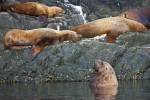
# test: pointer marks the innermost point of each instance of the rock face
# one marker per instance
(135, 63)
(67, 61)
(130, 56)
(74, 62)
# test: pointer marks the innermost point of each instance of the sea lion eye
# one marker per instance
(106, 68)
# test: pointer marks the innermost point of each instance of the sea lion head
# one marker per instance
(55, 10)
(134, 26)
(14, 39)
(59, 10)
(100, 66)
(68, 35)
(9, 39)
(104, 75)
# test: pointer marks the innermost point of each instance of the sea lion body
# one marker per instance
(112, 26)
(37, 38)
(35, 9)
(141, 15)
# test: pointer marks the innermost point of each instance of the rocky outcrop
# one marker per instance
(131, 39)
(135, 63)
(74, 62)
(130, 56)
(66, 61)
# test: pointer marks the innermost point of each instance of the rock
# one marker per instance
(131, 39)
(134, 64)
(66, 61)
(13, 20)
(130, 56)
(8, 22)
(74, 62)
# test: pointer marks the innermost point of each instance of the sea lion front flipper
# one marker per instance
(111, 38)
(35, 51)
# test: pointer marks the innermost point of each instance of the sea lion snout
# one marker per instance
(78, 37)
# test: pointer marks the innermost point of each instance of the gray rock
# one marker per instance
(14, 20)
(66, 61)
(131, 39)
(74, 61)
(134, 64)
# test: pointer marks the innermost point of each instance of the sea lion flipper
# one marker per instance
(111, 38)
(35, 51)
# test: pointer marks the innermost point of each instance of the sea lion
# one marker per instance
(103, 82)
(38, 39)
(141, 15)
(104, 75)
(112, 26)
(35, 9)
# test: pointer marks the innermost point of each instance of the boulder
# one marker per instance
(62, 62)
(134, 63)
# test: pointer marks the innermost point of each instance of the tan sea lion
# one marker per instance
(103, 82)
(104, 75)
(112, 26)
(141, 15)
(35, 9)
(37, 38)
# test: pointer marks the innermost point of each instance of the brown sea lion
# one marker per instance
(37, 38)
(104, 75)
(112, 26)
(141, 15)
(103, 82)
(35, 9)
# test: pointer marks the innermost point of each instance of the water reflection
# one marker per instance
(48, 91)
(105, 93)
(128, 90)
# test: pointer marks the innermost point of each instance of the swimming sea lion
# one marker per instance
(103, 82)
(104, 75)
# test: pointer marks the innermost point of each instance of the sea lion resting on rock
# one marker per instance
(35, 9)
(112, 26)
(37, 38)
(103, 82)
(141, 15)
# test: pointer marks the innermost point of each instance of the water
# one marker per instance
(128, 90)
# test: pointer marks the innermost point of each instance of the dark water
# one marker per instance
(128, 90)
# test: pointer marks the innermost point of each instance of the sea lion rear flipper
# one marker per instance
(35, 51)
